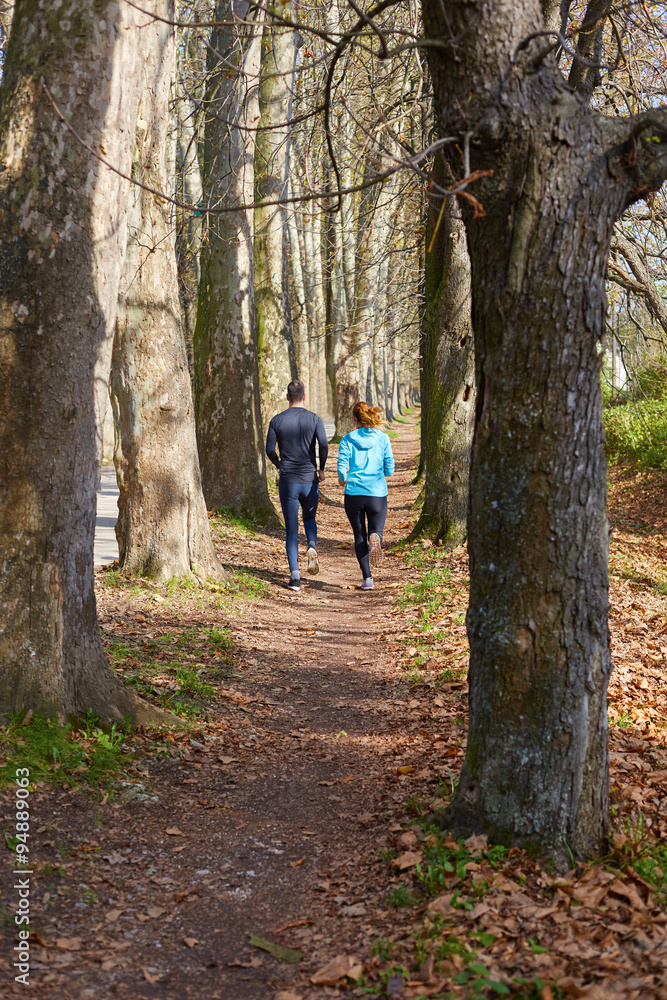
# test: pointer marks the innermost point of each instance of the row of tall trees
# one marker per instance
(263, 192)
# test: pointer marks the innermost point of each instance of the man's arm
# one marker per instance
(271, 441)
(323, 445)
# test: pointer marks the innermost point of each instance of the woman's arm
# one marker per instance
(343, 459)
(388, 457)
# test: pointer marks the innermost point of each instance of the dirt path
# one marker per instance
(274, 816)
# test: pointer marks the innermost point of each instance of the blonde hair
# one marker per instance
(368, 416)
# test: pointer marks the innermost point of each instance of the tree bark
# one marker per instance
(299, 312)
(275, 344)
(162, 526)
(189, 226)
(227, 399)
(449, 377)
(536, 767)
(62, 232)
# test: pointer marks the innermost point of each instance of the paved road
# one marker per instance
(106, 547)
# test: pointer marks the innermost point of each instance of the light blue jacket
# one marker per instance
(365, 458)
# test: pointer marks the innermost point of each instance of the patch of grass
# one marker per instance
(221, 640)
(56, 751)
(181, 585)
(247, 583)
(652, 867)
(382, 948)
(240, 523)
(115, 580)
(190, 682)
(623, 721)
(429, 592)
(403, 896)
(390, 432)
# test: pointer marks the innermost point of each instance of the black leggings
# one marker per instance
(358, 508)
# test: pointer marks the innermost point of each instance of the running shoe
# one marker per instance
(375, 554)
(313, 561)
(294, 584)
(368, 583)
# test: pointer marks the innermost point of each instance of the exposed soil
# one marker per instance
(327, 740)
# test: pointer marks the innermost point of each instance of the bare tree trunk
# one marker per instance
(162, 526)
(229, 422)
(536, 767)
(342, 360)
(62, 251)
(449, 370)
(275, 346)
(189, 227)
(299, 313)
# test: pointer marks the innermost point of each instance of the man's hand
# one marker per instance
(321, 475)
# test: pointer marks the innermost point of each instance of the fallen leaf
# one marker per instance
(173, 831)
(149, 977)
(155, 911)
(277, 950)
(407, 860)
(295, 864)
(69, 944)
(340, 967)
(406, 769)
(114, 858)
(355, 910)
(294, 923)
(477, 842)
(442, 905)
(190, 941)
(112, 916)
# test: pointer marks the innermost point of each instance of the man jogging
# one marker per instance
(295, 431)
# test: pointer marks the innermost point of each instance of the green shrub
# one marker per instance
(637, 431)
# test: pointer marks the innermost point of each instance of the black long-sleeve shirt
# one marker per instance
(295, 431)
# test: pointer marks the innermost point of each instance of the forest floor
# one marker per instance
(277, 847)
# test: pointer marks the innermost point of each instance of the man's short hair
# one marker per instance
(296, 391)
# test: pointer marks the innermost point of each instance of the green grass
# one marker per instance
(652, 867)
(403, 896)
(55, 751)
(247, 583)
(391, 433)
(240, 523)
(429, 592)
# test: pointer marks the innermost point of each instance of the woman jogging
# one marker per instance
(365, 458)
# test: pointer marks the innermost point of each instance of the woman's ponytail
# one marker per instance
(368, 416)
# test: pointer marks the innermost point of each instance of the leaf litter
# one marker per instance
(304, 781)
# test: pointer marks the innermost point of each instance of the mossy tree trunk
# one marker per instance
(62, 238)
(448, 361)
(275, 343)
(536, 766)
(162, 526)
(227, 398)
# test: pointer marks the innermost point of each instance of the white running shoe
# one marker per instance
(368, 583)
(375, 553)
(313, 561)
